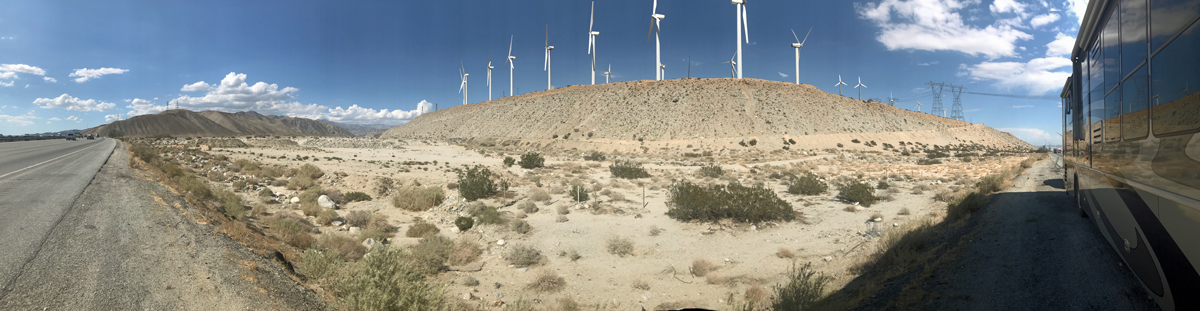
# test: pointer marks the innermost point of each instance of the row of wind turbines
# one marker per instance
(660, 68)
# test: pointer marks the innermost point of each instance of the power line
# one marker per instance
(1045, 97)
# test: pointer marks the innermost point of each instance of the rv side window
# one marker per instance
(1175, 84)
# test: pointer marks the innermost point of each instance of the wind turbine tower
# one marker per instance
(607, 73)
(732, 66)
(741, 26)
(937, 96)
(860, 90)
(918, 106)
(840, 84)
(799, 44)
(462, 88)
(489, 78)
(956, 111)
(592, 41)
(547, 66)
(655, 23)
(509, 62)
(892, 99)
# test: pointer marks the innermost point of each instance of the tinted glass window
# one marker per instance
(1097, 118)
(1111, 52)
(1133, 35)
(1175, 84)
(1112, 116)
(1134, 93)
(1167, 17)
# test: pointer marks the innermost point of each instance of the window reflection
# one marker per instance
(1111, 52)
(1175, 84)
(1133, 35)
(1167, 17)
(1112, 116)
(1135, 122)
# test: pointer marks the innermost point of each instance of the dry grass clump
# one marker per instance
(346, 248)
(327, 216)
(294, 232)
(385, 281)
(784, 252)
(803, 291)
(378, 229)
(429, 255)
(311, 209)
(547, 281)
(316, 263)
(619, 246)
(561, 218)
(421, 229)
(418, 199)
(850, 208)
(464, 252)
(756, 297)
(563, 210)
(655, 231)
(528, 207)
(875, 215)
(903, 211)
(358, 218)
(523, 256)
(539, 195)
(701, 267)
(641, 285)
(520, 226)
(488, 215)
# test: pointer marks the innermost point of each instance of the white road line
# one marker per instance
(44, 162)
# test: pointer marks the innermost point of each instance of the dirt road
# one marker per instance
(127, 243)
(1033, 251)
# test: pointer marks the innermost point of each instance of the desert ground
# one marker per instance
(717, 265)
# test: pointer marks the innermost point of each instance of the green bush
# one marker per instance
(488, 215)
(520, 226)
(856, 191)
(291, 231)
(146, 153)
(418, 199)
(711, 170)
(882, 185)
(357, 196)
(464, 223)
(171, 170)
(687, 202)
(578, 193)
(231, 204)
(508, 161)
(194, 186)
(934, 154)
(316, 264)
(431, 253)
(619, 246)
(475, 183)
(808, 184)
(803, 290)
(532, 160)
(627, 170)
(386, 281)
(991, 183)
(855, 140)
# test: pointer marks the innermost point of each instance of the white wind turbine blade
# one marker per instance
(509, 59)
(805, 35)
(655, 8)
(794, 35)
(745, 23)
(591, 22)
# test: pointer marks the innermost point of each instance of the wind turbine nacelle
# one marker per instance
(658, 16)
(797, 45)
(737, 1)
(550, 47)
(594, 33)
(512, 57)
(466, 75)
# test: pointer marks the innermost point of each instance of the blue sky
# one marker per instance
(75, 64)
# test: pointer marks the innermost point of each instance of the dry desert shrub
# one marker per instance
(619, 246)
(311, 209)
(431, 253)
(520, 226)
(523, 256)
(850, 208)
(470, 281)
(378, 229)
(294, 232)
(563, 210)
(347, 249)
(316, 263)
(641, 285)
(875, 215)
(327, 216)
(943, 195)
(358, 218)
(421, 229)
(528, 207)
(547, 281)
(655, 231)
(701, 267)
(385, 279)
(465, 251)
(756, 297)
(784, 252)
(539, 195)
(418, 199)
(357, 196)
(803, 291)
(903, 211)
(561, 218)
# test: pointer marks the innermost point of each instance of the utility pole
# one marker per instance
(956, 111)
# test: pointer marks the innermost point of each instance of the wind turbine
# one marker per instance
(742, 23)
(732, 67)
(662, 71)
(655, 23)
(799, 44)
(547, 66)
(860, 90)
(840, 84)
(489, 80)
(509, 62)
(918, 106)
(462, 88)
(592, 41)
(607, 73)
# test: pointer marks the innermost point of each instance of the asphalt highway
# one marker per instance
(38, 182)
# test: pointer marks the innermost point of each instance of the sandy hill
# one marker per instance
(186, 123)
(694, 110)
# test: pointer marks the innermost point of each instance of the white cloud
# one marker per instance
(1023, 106)
(10, 83)
(1041, 20)
(1032, 136)
(1061, 45)
(54, 119)
(8, 75)
(784, 75)
(49, 79)
(1038, 76)
(73, 118)
(234, 94)
(196, 87)
(928, 63)
(85, 74)
(24, 120)
(142, 106)
(1078, 8)
(71, 103)
(1007, 6)
(22, 68)
(112, 117)
(935, 25)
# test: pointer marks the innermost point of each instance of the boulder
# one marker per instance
(370, 244)
(355, 230)
(295, 200)
(325, 202)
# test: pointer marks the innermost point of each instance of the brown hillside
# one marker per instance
(186, 123)
(693, 110)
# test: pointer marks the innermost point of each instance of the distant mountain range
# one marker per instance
(186, 123)
(367, 130)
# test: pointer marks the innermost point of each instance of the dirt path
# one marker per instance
(127, 244)
(1032, 251)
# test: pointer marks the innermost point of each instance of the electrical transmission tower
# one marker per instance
(956, 112)
(937, 96)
